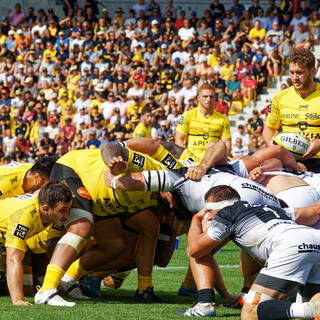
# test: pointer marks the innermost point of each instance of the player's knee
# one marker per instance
(82, 228)
(151, 227)
(249, 312)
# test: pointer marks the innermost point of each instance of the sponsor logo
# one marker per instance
(21, 231)
(84, 193)
(180, 120)
(303, 107)
(169, 161)
(308, 247)
(290, 116)
(312, 116)
(32, 212)
(262, 192)
(311, 135)
(138, 160)
(200, 143)
(13, 180)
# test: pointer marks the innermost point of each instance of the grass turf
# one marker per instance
(119, 304)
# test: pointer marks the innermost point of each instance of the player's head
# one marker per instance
(55, 199)
(220, 196)
(146, 115)
(39, 173)
(206, 96)
(302, 69)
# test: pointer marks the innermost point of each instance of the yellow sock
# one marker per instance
(52, 277)
(188, 280)
(75, 271)
(144, 282)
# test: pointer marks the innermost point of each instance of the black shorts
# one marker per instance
(312, 165)
(82, 198)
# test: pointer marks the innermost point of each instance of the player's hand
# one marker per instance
(108, 176)
(302, 167)
(314, 148)
(195, 173)
(255, 173)
(22, 303)
(117, 166)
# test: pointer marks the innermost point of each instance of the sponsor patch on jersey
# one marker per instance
(84, 193)
(180, 120)
(138, 160)
(169, 161)
(21, 231)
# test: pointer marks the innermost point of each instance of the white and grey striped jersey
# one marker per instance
(192, 193)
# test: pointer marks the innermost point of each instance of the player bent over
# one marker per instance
(23, 217)
(290, 254)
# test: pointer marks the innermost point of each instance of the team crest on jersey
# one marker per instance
(138, 160)
(84, 193)
(180, 120)
(169, 161)
(303, 125)
(21, 231)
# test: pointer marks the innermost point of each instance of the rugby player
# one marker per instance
(203, 124)
(20, 178)
(270, 236)
(296, 108)
(21, 218)
(82, 170)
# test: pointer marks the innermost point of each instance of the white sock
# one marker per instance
(66, 278)
(299, 310)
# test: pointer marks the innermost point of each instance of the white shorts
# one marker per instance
(295, 256)
(299, 197)
(312, 178)
(239, 168)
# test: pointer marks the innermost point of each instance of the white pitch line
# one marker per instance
(225, 266)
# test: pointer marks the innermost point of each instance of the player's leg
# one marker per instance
(148, 227)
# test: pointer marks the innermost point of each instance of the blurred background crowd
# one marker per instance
(95, 76)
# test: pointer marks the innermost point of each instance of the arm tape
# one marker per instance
(74, 241)
(155, 180)
(114, 182)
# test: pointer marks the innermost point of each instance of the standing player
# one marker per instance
(296, 108)
(23, 217)
(269, 235)
(203, 124)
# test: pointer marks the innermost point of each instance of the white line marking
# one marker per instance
(225, 266)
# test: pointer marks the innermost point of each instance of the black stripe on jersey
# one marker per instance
(164, 181)
(159, 180)
(115, 197)
(148, 181)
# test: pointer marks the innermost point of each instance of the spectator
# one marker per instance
(254, 125)
(241, 133)
(239, 149)
(301, 37)
(222, 105)
(143, 129)
(249, 87)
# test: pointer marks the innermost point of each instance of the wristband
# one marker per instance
(114, 182)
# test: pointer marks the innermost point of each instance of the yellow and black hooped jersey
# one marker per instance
(89, 167)
(290, 112)
(11, 179)
(19, 220)
(200, 130)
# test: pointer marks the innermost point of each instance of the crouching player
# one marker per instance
(289, 252)
(23, 217)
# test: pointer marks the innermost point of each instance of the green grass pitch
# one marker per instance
(119, 305)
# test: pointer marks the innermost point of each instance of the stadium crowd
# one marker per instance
(82, 81)
(127, 115)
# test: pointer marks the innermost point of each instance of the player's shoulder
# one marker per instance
(220, 116)
(283, 94)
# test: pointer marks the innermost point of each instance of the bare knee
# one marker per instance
(81, 227)
(249, 312)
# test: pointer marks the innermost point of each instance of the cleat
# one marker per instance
(147, 296)
(199, 310)
(237, 303)
(91, 286)
(313, 306)
(73, 289)
(51, 298)
(187, 291)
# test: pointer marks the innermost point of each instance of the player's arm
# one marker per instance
(215, 154)
(15, 275)
(155, 180)
(308, 216)
(181, 139)
(267, 134)
(199, 243)
(227, 142)
(144, 145)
